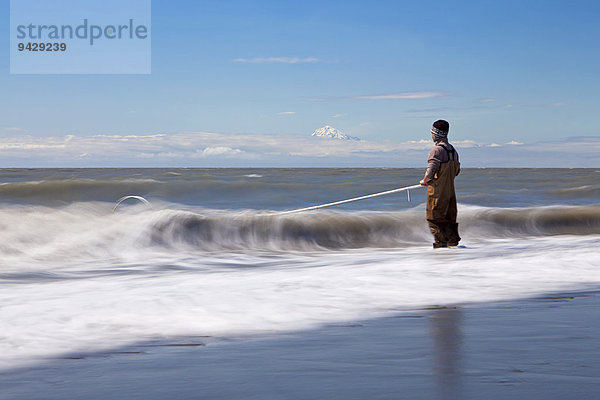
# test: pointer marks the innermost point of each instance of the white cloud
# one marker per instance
(423, 94)
(30, 146)
(421, 144)
(287, 113)
(338, 115)
(222, 149)
(467, 143)
(219, 151)
(280, 60)
(403, 95)
(127, 137)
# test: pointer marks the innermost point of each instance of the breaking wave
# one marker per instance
(338, 230)
(90, 229)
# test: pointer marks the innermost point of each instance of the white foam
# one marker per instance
(104, 303)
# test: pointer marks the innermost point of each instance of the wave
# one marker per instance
(91, 230)
(281, 189)
(71, 190)
(337, 230)
(66, 191)
(324, 230)
(535, 221)
(578, 192)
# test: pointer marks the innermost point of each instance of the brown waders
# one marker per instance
(441, 204)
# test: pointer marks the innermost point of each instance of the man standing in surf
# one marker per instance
(443, 167)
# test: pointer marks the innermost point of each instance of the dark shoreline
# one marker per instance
(541, 348)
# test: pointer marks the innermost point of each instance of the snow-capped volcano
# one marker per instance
(332, 133)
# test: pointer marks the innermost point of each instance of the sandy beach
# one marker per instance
(541, 348)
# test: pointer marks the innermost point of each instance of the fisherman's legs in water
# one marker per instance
(452, 234)
(437, 209)
(444, 233)
(452, 226)
(443, 225)
(438, 230)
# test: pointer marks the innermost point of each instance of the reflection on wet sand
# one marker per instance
(446, 333)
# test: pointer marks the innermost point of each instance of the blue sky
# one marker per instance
(259, 71)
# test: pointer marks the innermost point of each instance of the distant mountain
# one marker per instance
(332, 133)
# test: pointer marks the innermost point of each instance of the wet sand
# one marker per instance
(543, 348)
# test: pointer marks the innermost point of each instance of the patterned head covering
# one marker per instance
(440, 130)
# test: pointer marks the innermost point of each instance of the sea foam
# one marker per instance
(80, 279)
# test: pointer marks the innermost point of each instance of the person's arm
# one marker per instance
(433, 165)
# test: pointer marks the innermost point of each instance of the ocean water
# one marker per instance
(211, 257)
